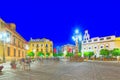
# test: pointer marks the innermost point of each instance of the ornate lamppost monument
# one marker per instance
(77, 37)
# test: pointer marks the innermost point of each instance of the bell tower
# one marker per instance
(86, 35)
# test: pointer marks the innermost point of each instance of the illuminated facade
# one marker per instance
(15, 48)
(41, 45)
(68, 48)
(98, 43)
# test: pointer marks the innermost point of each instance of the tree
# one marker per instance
(115, 52)
(47, 54)
(86, 54)
(104, 52)
(31, 54)
(69, 55)
(60, 54)
(91, 54)
(41, 54)
(55, 55)
(79, 54)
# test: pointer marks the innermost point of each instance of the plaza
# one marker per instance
(65, 70)
(60, 40)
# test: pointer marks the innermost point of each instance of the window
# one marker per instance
(101, 39)
(101, 46)
(95, 47)
(23, 54)
(46, 50)
(14, 52)
(95, 39)
(14, 41)
(18, 53)
(37, 50)
(51, 45)
(41, 50)
(89, 40)
(8, 34)
(18, 43)
(46, 45)
(107, 46)
(37, 45)
(41, 45)
(84, 41)
(89, 47)
(108, 37)
(8, 51)
(33, 45)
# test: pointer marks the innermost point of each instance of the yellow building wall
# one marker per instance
(11, 29)
(50, 49)
(117, 43)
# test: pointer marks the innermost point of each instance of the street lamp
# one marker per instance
(77, 37)
(4, 38)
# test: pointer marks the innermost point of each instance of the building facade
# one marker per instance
(41, 45)
(12, 44)
(68, 48)
(98, 43)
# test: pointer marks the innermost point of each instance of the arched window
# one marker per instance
(107, 46)
(46, 45)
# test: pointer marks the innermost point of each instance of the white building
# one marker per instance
(98, 43)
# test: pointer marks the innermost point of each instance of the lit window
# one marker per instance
(23, 54)
(33, 45)
(18, 53)
(8, 51)
(14, 52)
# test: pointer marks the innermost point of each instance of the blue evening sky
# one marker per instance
(57, 20)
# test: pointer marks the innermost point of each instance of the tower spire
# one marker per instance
(86, 35)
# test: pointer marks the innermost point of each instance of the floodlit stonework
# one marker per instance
(41, 45)
(15, 47)
(98, 43)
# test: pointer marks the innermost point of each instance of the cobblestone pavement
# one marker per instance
(91, 70)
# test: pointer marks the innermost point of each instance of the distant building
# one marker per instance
(68, 48)
(15, 47)
(98, 43)
(41, 45)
